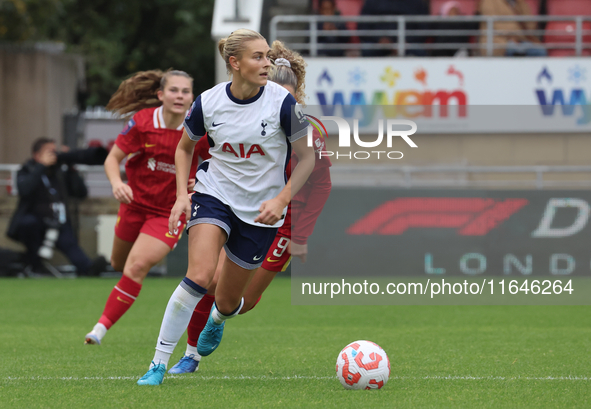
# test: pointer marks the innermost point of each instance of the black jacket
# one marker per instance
(37, 198)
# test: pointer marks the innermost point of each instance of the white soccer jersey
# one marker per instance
(250, 145)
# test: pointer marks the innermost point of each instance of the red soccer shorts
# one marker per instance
(131, 222)
(277, 258)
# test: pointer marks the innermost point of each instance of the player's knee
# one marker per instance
(226, 307)
(137, 270)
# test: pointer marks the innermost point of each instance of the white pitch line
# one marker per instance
(298, 377)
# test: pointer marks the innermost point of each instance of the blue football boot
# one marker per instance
(187, 364)
(210, 337)
(154, 376)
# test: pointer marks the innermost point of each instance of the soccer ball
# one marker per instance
(363, 365)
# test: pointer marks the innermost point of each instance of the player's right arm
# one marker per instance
(182, 162)
(121, 190)
(194, 130)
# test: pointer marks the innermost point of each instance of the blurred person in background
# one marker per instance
(160, 101)
(393, 8)
(328, 8)
(42, 219)
(516, 42)
(453, 9)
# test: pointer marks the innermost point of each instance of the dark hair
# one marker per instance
(141, 91)
(39, 143)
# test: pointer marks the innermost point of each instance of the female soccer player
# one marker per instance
(142, 238)
(289, 71)
(241, 193)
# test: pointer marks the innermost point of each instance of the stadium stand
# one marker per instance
(563, 32)
(468, 7)
(569, 7)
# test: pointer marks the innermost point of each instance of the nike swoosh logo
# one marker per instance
(213, 124)
(257, 258)
(170, 236)
(122, 300)
(166, 345)
(272, 261)
(148, 145)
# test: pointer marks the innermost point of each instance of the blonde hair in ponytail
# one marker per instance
(140, 91)
(283, 75)
(235, 44)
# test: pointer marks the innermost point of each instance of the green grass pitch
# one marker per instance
(281, 355)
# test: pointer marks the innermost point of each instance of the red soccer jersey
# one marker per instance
(311, 197)
(319, 145)
(150, 169)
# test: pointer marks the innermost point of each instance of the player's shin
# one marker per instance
(176, 318)
(198, 321)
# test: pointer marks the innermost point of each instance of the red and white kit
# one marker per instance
(304, 209)
(150, 169)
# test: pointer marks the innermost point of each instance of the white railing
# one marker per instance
(528, 177)
(461, 176)
(402, 33)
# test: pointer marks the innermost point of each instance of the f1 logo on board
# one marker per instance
(470, 216)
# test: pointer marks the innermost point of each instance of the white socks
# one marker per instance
(99, 330)
(218, 317)
(178, 313)
(191, 350)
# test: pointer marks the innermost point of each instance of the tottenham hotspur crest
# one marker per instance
(263, 124)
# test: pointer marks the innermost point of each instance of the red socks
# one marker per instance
(199, 319)
(121, 298)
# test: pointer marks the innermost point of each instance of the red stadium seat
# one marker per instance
(349, 7)
(468, 7)
(534, 6)
(567, 53)
(346, 7)
(569, 8)
(564, 32)
(95, 143)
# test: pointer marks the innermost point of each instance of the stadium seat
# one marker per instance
(567, 53)
(564, 32)
(468, 7)
(569, 8)
(346, 7)
(534, 6)
(350, 8)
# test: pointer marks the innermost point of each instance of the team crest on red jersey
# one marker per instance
(128, 127)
